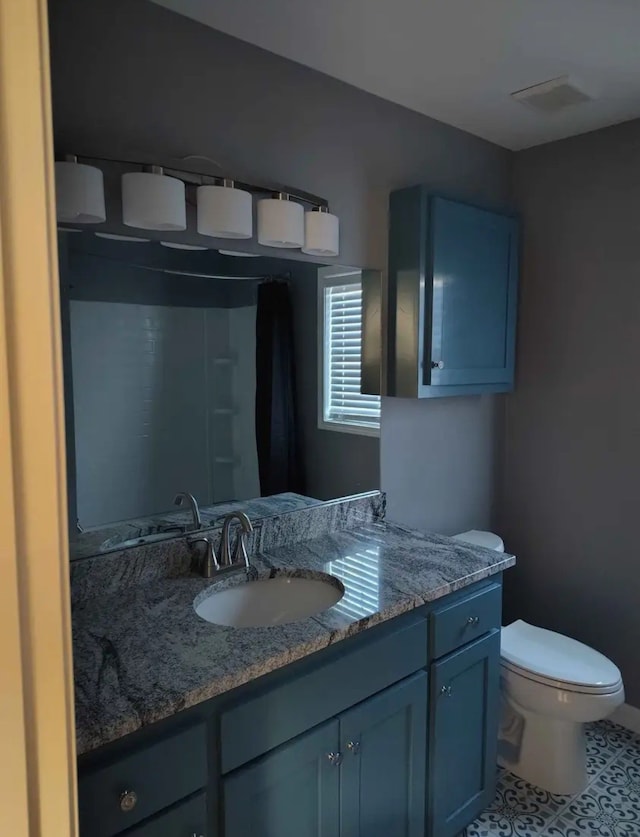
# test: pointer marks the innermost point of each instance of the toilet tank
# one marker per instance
(488, 540)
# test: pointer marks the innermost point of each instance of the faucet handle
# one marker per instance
(209, 563)
(240, 552)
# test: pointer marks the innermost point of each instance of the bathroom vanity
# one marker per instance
(377, 717)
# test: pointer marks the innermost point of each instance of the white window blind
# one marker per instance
(343, 403)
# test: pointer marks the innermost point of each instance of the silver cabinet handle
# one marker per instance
(437, 364)
(473, 620)
(335, 758)
(128, 801)
(445, 691)
(353, 747)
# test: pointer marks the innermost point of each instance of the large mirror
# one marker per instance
(230, 378)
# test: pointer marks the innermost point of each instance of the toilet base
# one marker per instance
(546, 752)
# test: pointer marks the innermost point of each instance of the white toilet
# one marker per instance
(551, 686)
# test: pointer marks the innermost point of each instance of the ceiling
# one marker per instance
(456, 60)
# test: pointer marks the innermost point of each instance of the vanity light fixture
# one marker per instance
(224, 211)
(280, 222)
(79, 192)
(321, 232)
(155, 197)
(151, 200)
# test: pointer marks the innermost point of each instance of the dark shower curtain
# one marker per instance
(277, 438)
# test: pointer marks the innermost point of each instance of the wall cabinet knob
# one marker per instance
(473, 620)
(353, 747)
(445, 691)
(437, 364)
(335, 758)
(128, 801)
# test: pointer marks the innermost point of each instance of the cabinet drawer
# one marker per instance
(298, 705)
(186, 819)
(158, 775)
(465, 619)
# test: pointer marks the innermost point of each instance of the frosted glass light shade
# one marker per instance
(280, 223)
(225, 212)
(116, 237)
(153, 201)
(321, 234)
(79, 193)
(178, 245)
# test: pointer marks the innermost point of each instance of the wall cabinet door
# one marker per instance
(453, 280)
(463, 734)
(293, 791)
(474, 270)
(383, 775)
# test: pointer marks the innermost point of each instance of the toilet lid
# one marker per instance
(556, 657)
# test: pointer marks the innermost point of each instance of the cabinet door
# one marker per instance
(187, 819)
(463, 735)
(291, 792)
(474, 256)
(383, 776)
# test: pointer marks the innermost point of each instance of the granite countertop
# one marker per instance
(143, 654)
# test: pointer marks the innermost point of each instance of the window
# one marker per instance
(341, 404)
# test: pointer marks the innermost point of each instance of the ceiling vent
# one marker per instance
(554, 95)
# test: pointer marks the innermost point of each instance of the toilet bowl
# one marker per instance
(551, 686)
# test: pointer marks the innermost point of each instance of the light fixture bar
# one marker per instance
(197, 178)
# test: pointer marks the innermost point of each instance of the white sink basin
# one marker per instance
(270, 601)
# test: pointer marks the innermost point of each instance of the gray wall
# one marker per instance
(131, 78)
(571, 490)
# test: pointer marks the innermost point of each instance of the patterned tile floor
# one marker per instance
(608, 807)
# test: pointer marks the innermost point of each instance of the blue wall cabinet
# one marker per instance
(383, 775)
(463, 734)
(453, 279)
(292, 792)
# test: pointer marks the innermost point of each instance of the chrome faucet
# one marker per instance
(240, 552)
(183, 496)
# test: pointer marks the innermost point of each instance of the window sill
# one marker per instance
(343, 427)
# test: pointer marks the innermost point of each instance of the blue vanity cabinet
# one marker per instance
(389, 733)
(453, 278)
(463, 734)
(383, 775)
(293, 791)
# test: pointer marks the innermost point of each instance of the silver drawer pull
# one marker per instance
(445, 691)
(335, 758)
(128, 801)
(353, 747)
(473, 620)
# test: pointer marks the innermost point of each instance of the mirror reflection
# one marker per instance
(198, 383)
